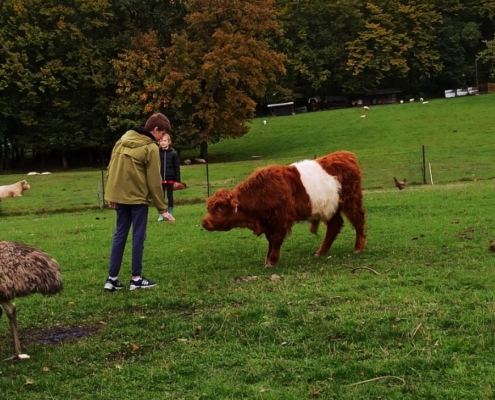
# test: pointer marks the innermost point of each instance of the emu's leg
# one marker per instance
(333, 229)
(10, 311)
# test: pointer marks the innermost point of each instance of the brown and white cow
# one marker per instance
(273, 198)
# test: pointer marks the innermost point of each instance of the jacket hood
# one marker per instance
(137, 137)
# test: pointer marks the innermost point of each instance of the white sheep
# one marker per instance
(411, 100)
(366, 108)
(363, 116)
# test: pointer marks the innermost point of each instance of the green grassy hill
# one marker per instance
(458, 135)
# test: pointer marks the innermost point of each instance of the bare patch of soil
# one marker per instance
(119, 356)
(58, 335)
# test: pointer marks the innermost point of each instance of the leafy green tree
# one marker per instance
(394, 42)
(51, 73)
(465, 25)
(315, 37)
(487, 56)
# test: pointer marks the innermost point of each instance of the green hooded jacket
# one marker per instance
(134, 171)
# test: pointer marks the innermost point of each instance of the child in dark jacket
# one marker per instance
(169, 170)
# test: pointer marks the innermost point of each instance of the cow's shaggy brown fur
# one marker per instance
(273, 198)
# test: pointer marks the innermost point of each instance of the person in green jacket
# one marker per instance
(133, 184)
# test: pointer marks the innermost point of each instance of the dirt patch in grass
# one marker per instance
(119, 356)
(58, 335)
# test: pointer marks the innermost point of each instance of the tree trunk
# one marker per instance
(203, 150)
(65, 165)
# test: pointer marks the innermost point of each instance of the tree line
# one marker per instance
(75, 76)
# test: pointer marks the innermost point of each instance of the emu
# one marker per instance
(24, 270)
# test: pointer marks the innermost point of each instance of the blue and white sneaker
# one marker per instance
(142, 283)
(113, 284)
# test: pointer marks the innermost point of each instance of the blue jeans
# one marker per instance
(127, 215)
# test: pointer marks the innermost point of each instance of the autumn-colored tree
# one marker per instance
(139, 82)
(137, 68)
(216, 66)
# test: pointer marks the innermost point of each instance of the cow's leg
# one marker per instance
(267, 258)
(357, 218)
(333, 229)
(275, 241)
(313, 228)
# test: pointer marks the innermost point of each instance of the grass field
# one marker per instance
(412, 317)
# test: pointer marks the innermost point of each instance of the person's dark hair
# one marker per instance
(159, 121)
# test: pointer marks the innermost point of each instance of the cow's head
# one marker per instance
(25, 185)
(223, 212)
